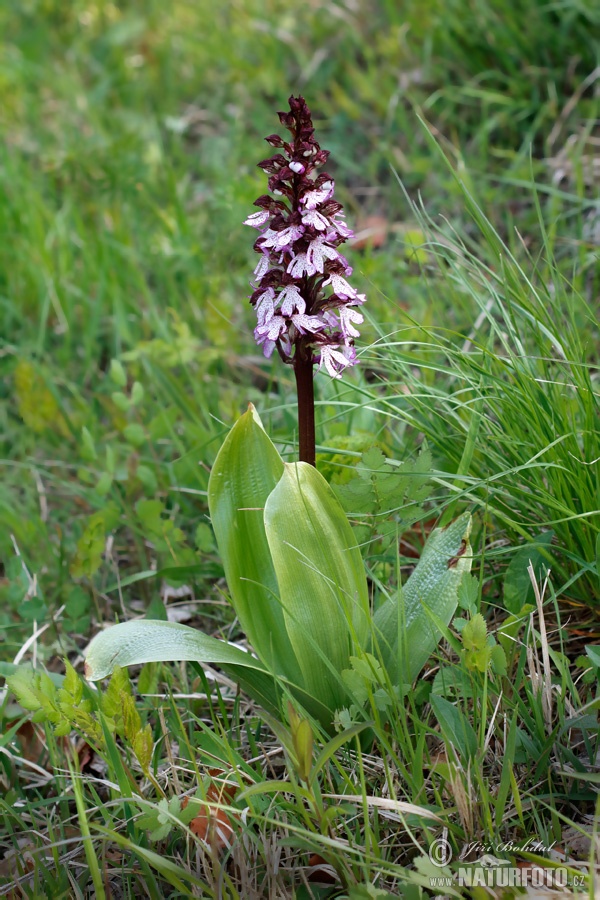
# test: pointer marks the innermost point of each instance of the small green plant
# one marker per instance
(66, 705)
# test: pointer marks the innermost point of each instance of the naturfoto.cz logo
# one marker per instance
(510, 877)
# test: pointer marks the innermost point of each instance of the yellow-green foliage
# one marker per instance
(480, 650)
(66, 709)
(36, 404)
(90, 545)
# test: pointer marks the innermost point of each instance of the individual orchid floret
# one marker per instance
(263, 266)
(312, 199)
(334, 360)
(340, 286)
(257, 219)
(316, 219)
(319, 251)
(291, 300)
(348, 315)
(265, 306)
(300, 266)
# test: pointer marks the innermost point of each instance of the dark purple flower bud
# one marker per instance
(267, 202)
(279, 186)
(331, 207)
(274, 140)
(273, 164)
(287, 120)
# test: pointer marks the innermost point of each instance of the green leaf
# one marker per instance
(593, 777)
(134, 434)
(33, 609)
(119, 686)
(121, 401)
(147, 682)
(368, 892)
(149, 513)
(468, 593)
(173, 573)
(145, 640)
(169, 870)
(147, 478)
(63, 728)
(453, 680)
(203, 538)
(137, 393)
(72, 684)
(117, 373)
(455, 726)
(159, 820)
(379, 487)
(90, 545)
(132, 723)
(302, 742)
(321, 579)
(405, 632)
(509, 629)
(156, 609)
(498, 660)
(333, 745)
(89, 448)
(24, 684)
(478, 660)
(364, 678)
(246, 470)
(518, 589)
(7, 669)
(477, 650)
(372, 460)
(104, 483)
(474, 635)
(594, 655)
(78, 602)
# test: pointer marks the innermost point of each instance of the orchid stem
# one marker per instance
(303, 370)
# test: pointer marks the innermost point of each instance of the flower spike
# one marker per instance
(299, 257)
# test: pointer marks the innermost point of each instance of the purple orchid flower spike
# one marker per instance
(305, 307)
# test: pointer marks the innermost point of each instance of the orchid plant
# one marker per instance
(295, 574)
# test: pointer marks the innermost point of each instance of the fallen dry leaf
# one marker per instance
(320, 871)
(213, 825)
(372, 231)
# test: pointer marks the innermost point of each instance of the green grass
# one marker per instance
(131, 137)
(511, 406)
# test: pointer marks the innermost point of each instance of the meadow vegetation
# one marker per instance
(465, 147)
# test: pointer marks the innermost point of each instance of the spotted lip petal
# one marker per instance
(299, 257)
(257, 219)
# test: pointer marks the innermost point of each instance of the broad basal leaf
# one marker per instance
(146, 640)
(246, 470)
(321, 579)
